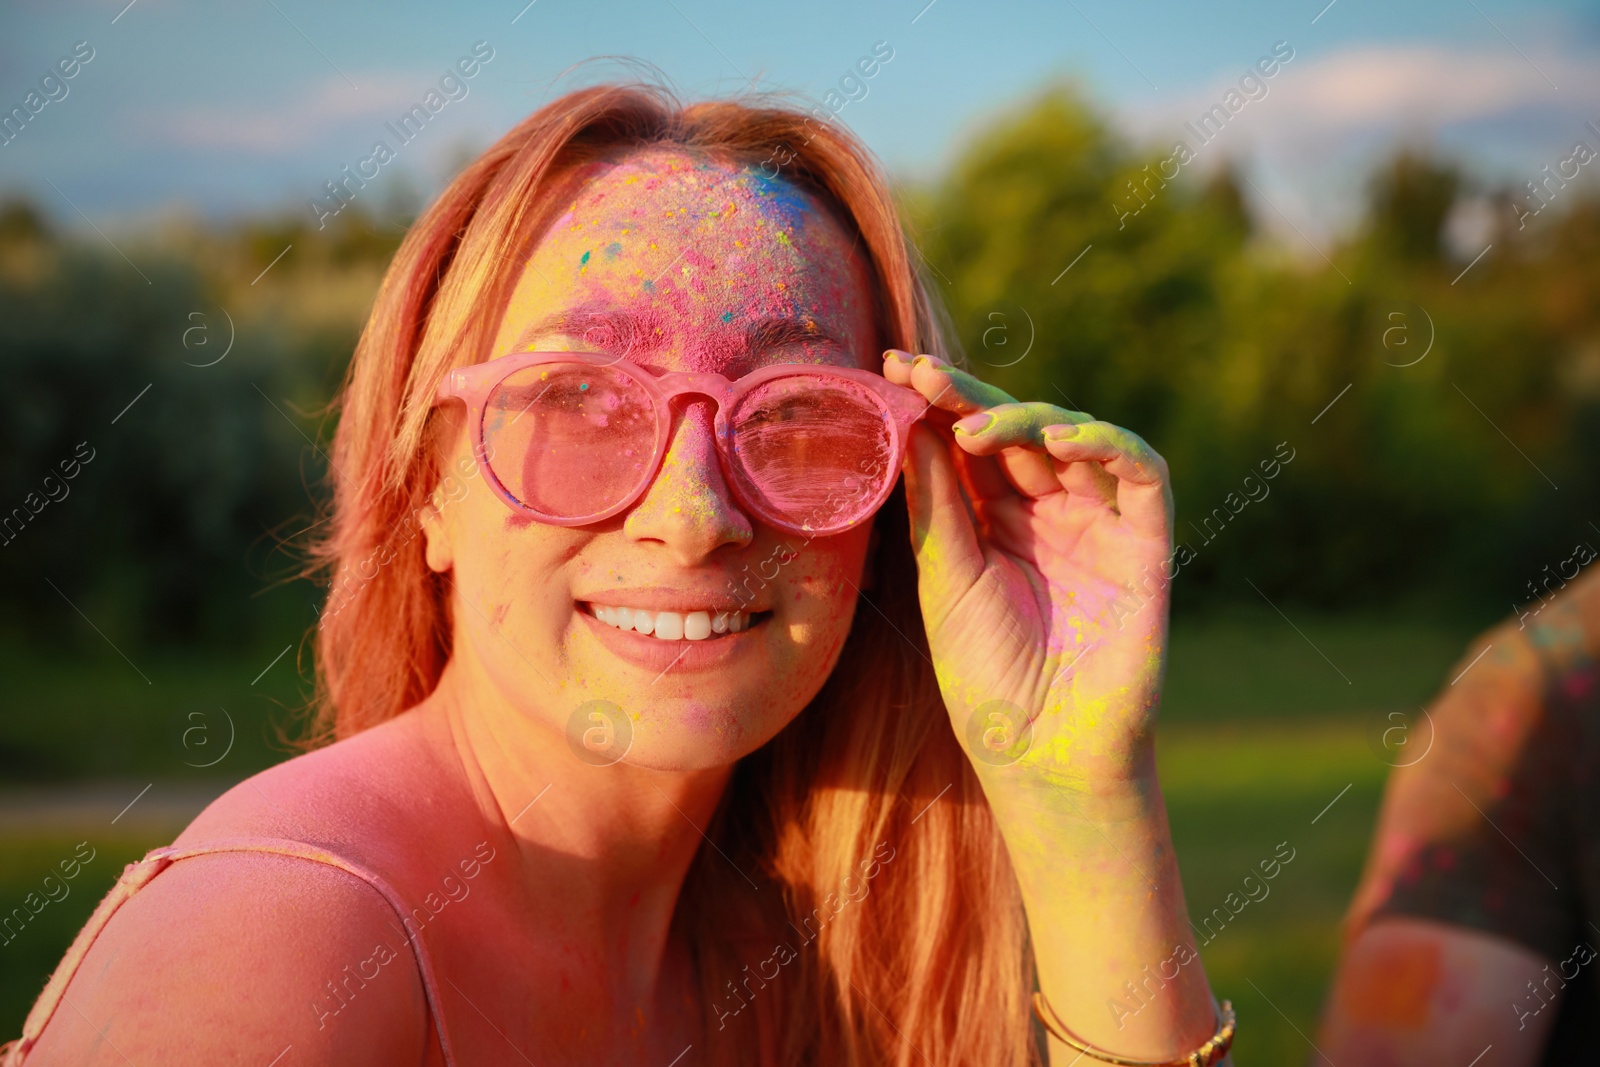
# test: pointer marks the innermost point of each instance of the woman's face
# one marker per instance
(674, 262)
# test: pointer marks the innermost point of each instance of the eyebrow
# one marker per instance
(628, 335)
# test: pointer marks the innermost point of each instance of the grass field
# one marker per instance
(1264, 726)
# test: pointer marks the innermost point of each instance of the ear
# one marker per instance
(445, 440)
(437, 549)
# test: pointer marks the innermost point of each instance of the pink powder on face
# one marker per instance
(707, 248)
(697, 715)
(701, 719)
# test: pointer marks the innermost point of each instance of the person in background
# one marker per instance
(1474, 930)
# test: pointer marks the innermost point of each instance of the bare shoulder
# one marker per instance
(358, 797)
(234, 957)
(274, 931)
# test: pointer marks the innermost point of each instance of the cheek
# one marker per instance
(506, 570)
(818, 595)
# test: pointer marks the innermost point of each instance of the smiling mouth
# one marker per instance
(676, 625)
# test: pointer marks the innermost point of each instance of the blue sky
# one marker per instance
(230, 107)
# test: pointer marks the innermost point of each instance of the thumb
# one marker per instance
(943, 538)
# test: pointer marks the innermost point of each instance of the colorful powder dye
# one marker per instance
(728, 250)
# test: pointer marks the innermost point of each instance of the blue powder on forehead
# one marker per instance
(786, 196)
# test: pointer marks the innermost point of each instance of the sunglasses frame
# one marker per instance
(473, 385)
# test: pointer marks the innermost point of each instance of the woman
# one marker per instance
(668, 729)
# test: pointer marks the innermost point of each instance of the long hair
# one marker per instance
(889, 928)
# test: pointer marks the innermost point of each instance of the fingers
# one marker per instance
(942, 385)
(1014, 434)
(1090, 481)
(1010, 425)
(981, 477)
(954, 390)
(1123, 452)
(1095, 459)
(943, 538)
(1142, 494)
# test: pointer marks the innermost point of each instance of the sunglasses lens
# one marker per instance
(815, 451)
(567, 439)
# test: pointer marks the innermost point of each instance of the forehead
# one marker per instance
(684, 261)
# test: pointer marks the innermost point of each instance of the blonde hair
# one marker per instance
(866, 795)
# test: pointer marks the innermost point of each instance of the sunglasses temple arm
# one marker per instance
(447, 388)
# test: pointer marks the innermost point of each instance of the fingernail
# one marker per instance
(924, 359)
(973, 425)
(1060, 433)
(897, 355)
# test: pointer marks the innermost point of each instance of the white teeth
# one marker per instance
(673, 625)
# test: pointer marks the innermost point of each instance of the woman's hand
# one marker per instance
(1043, 547)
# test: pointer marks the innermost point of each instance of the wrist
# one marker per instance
(1077, 787)
(1052, 830)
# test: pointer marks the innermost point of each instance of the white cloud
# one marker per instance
(1382, 86)
(1386, 87)
(273, 127)
(1309, 143)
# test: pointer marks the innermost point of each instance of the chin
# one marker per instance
(687, 726)
(694, 734)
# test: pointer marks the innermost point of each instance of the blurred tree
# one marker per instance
(1051, 231)
(21, 222)
(1410, 200)
(198, 396)
(1219, 352)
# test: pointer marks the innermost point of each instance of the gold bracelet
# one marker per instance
(1207, 1055)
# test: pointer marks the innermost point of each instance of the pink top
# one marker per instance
(137, 875)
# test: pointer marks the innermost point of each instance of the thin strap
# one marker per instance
(137, 875)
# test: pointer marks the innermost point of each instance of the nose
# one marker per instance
(689, 508)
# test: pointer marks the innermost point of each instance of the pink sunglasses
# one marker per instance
(571, 438)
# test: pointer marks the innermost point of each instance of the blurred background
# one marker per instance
(1359, 312)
